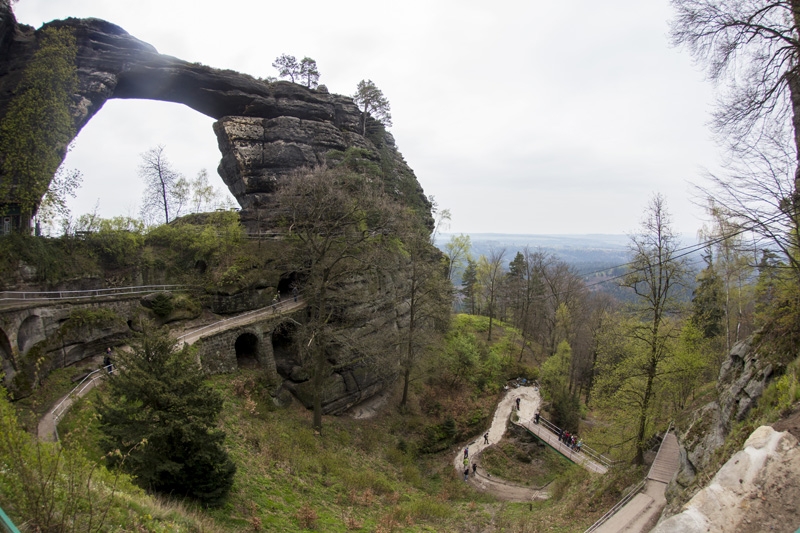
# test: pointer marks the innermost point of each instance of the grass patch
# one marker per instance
(524, 461)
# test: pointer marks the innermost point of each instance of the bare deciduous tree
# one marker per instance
(166, 190)
(752, 49)
(339, 223)
(655, 276)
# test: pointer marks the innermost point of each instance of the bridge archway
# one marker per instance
(247, 347)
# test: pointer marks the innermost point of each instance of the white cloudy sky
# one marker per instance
(520, 116)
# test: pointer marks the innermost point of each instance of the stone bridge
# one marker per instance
(265, 339)
(33, 342)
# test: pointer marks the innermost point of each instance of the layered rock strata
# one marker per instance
(266, 130)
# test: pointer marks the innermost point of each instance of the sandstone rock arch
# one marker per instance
(265, 130)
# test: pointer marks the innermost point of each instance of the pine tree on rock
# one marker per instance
(161, 413)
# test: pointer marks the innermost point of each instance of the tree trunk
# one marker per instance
(406, 379)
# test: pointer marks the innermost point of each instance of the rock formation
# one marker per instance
(266, 130)
(756, 490)
(742, 379)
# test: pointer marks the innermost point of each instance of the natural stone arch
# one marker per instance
(265, 130)
(247, 346)
(6, 359)
(30, 332)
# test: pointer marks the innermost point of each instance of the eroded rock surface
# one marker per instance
(756, 490)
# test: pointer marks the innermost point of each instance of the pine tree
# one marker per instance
(469, 284)
(162, 414)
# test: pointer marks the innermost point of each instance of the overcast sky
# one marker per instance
(520, 116)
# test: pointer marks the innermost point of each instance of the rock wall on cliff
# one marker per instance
(266, 131)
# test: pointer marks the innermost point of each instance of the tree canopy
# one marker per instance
(163, 416)
(372, 103)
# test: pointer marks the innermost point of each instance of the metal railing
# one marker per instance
(7, 524)
(664, 438)
(624, 501)
(89, 293)
(222, 324)
(87, 381)
(620, 504)
(584, 449)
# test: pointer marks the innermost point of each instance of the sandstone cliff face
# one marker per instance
(756, 490)
(742, 380)
(265, 130)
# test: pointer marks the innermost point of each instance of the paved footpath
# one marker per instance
(47, 424)
(530, 401)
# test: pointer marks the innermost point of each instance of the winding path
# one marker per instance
(530, 401)
(48, 424)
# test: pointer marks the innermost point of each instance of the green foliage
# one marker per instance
(161, 304)
(117, 241)
(213, 238)
(354, 159)
(159, 408)
(49, 488)
(46, 255)
(38, 126)
(99, 317)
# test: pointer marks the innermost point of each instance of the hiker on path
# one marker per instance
(466, 474)
(486, 438)
(517, 403)
(474, 469)
(107, 364)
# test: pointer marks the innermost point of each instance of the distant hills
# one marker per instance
(587, 253)
(599, 258)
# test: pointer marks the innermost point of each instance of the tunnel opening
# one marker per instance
(246, 347)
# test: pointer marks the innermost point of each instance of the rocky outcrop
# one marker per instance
(742, 379)
(756, 490)
(266, 130)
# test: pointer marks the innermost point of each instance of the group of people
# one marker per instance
(572, 441)
(466, 464)
(277, 298)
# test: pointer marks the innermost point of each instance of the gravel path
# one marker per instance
(530, 401)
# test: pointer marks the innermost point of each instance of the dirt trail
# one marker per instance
(530, 402)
